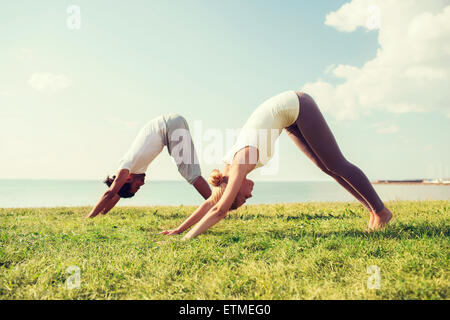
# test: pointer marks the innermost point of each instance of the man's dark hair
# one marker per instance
(124, 192)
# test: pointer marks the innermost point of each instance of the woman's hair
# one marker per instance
(124, 192)
(219, 183)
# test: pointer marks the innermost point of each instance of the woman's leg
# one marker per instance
(295, 134)
(320, 139)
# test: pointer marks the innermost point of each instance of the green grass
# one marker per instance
(292, 251)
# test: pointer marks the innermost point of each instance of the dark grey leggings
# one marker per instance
(313, 136)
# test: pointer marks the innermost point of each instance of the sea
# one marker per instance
(73, 193)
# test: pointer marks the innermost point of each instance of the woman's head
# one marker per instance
(130, 187)
(219, 183)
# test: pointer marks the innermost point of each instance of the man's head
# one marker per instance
(131, 186)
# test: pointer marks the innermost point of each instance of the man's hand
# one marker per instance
(110, 197)
(90, 215)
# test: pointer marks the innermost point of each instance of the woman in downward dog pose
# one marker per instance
(299, 115)
(169, 130)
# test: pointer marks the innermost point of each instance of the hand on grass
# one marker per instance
(170, 232)
(89, 216)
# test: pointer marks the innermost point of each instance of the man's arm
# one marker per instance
(109, 195)
(202, 187)
(111, 204)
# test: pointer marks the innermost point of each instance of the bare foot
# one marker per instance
(381, 219)
(371, 220)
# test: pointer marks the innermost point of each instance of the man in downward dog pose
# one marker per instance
(297, 114)
(167, 130)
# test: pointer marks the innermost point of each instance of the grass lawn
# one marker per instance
(283, 251)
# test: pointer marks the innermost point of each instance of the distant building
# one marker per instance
(439, 181)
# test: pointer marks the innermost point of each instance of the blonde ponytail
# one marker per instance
(216, 178)
(218, 181)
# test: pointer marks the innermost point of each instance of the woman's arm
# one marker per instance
(202, 187)
(109, 196)
(193, 219)
(111, 204)
(238, 172)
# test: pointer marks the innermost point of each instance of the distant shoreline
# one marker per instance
(415, 182)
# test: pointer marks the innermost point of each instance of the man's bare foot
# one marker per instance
(381, 219)
(371, 220)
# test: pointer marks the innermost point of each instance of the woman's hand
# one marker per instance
(193, 219)
(171, 232)
(238, 171)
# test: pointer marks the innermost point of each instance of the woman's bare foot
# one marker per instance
(381, 219)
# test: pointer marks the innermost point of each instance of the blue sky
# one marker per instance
(211, 61)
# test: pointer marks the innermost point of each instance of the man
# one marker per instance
(167, 130)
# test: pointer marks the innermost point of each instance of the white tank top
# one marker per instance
(265, 125)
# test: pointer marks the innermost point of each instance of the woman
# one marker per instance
(167, 130)
(299, 115)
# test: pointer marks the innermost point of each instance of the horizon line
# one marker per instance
(174, 180)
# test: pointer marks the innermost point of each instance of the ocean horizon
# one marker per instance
(79, 193)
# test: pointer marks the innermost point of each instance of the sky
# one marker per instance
(79, 78)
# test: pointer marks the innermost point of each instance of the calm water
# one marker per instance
(45, 193)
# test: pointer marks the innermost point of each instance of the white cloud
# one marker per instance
(346, 20)
(48, 82)
(384, 128)
(411, 71)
